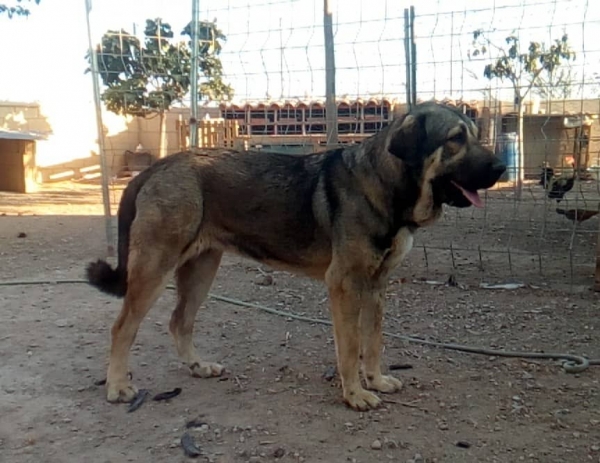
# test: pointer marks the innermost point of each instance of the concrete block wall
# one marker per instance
(23, 117)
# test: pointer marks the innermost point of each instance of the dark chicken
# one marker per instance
(547, 176)
(578, 215)
(557, 187)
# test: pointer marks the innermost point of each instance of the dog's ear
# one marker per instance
(407, 140)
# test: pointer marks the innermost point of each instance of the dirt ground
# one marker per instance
(274, 404)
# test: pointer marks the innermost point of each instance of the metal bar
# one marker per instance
(597, 273)
(451, 52)
(110, 249)
(281, 93)
(194, 75)
(330, 106)
(407, 55)
(413, 59)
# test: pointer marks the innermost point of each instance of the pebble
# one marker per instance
(279, 452)
(376, 444)
(390, 444)
(62, 323)
(263, 280)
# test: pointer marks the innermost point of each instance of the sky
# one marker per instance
(274, 48)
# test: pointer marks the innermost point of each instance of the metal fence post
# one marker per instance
(407, 57)
(330, 106)
(194, 75)
(410, 52)
(100, 127)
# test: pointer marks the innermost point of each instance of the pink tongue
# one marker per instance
(472, 196)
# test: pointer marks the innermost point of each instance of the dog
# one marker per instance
(345, 216)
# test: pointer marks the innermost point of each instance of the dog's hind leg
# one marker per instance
(147, 277)
(194, 279)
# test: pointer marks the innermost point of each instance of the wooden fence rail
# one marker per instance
(212, 133)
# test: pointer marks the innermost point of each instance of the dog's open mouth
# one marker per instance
(472, 196)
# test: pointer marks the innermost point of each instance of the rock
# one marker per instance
(62, 323)
(264, 280)
(329, 373)
(376, 444)
(279, 452)
(390, 444)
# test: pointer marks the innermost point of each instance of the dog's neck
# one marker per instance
(399, 185)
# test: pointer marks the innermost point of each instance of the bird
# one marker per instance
(557, 187)
(561, 186)
(578, 215)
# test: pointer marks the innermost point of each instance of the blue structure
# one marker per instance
(507, 148)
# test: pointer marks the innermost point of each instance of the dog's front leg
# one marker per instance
(347, 292)
(371, 319)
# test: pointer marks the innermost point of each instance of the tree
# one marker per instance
(523, 69)
(146, 78)
(592, 84)
(16, 10)
(558, 85)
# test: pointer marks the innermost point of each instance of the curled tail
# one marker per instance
(100, 274)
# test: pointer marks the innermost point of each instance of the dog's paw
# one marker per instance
(206, 369)
(384, 383)
(361, 399)
(120, 392)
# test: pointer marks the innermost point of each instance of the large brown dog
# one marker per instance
(346, 216)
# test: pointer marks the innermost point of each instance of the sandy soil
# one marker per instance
(274, 404)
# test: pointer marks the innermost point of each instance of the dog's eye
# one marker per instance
(460, 137)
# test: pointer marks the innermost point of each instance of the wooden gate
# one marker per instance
(212, 133)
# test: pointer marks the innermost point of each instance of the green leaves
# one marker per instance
(523, 68)
(145, 76)
(16, 10)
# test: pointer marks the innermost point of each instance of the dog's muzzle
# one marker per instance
(485, 176)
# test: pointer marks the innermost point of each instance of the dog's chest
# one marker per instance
(401, 245)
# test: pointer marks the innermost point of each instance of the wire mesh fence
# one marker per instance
(540, 230)
(263, 86)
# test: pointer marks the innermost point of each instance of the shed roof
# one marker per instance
(12, 135)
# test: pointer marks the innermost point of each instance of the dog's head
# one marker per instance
(438, 143)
